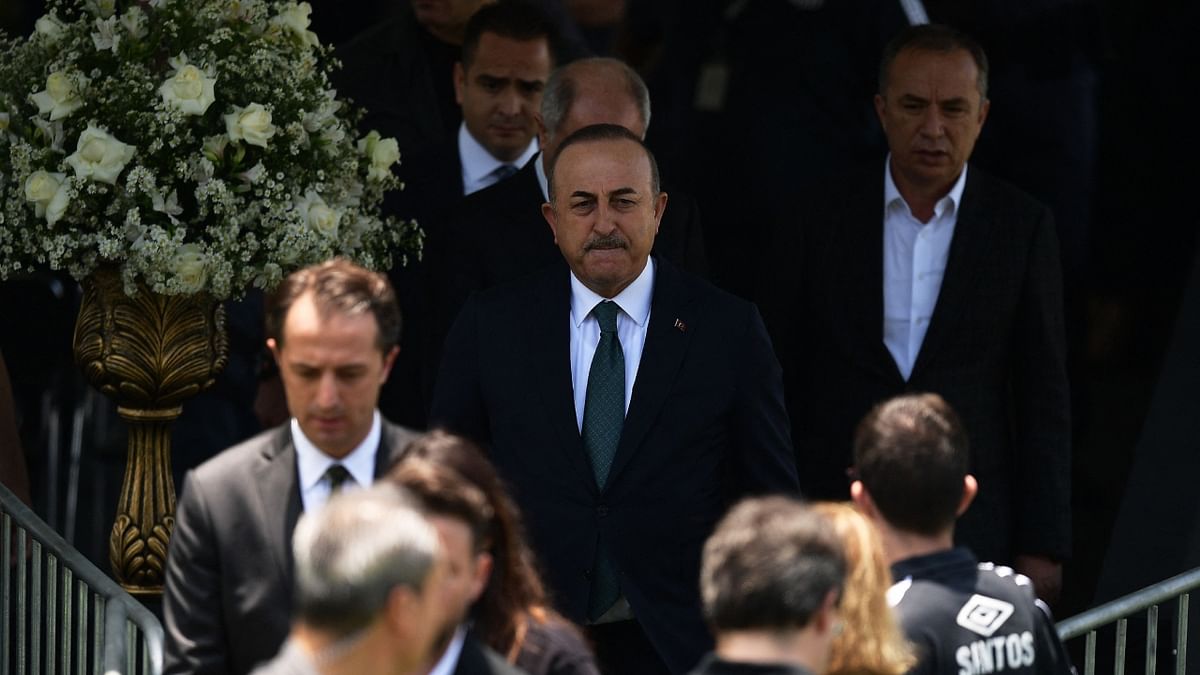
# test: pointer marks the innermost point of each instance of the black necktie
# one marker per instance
(338, 476)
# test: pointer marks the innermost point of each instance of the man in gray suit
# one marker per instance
(332, 329)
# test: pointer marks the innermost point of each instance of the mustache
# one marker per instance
(605, 242)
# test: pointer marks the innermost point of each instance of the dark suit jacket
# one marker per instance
(477, 659)
(228, 600)
(994, 350)
(706, 425)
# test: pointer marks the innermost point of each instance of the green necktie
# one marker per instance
(603, 417)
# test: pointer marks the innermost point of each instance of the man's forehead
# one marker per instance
(500, 51)
(578, 159)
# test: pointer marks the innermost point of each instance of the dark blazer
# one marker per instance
(477, 659)
(994, 350)
(706, 425)
(227, 605)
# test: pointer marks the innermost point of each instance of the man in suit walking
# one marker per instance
(626, 402)
(332, 329)
(926, 274)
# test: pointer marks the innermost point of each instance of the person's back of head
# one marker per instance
(364, 567)
(770, 580)
(911, 458)
(595, 90)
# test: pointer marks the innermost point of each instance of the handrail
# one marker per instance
(1127, 605)
(115, 614)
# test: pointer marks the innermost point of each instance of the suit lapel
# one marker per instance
(279, 492)
(662, 355)
(549, 337)
(862, 265)
(968, 248)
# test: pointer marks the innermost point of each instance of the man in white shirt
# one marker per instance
(333, 329)
(627, 403)
(926, 274)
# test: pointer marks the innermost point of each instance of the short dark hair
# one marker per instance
(442, 491)
(934, 37)
(514, 19)
(338, 285)
(911, 454)
(603, 132)
(769, 565)
(561, 89)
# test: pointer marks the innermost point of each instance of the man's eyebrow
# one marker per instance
(621, 191)
(583, 193)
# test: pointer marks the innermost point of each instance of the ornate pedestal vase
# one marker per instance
(149, 352)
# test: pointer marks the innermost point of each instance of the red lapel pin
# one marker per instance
(681, 325)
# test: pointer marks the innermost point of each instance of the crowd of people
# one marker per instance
(621, 439)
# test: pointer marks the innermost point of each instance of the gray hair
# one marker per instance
(560, 91)
(769, 565)
(351, 553)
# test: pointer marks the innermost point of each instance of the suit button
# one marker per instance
(602, 511)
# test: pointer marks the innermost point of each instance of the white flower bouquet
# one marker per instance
(195, 144)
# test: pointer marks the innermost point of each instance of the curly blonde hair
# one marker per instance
(870, 642)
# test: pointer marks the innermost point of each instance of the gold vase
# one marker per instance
(149, 353)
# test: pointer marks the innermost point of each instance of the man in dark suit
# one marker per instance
(626, 402)
(957, 291)
(507, 55)
(227, 604)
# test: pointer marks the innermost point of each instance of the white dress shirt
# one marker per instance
(449, 660)
(543, 180)
(632, 322)
(914, 262)
(479, 166)
(312, 464)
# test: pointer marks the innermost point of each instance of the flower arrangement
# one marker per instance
(196, 144)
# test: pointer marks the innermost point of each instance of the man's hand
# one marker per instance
(1045, 573)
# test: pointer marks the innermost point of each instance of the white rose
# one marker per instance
(251, 124)
(294, 19)
(48, 192)
(99, 156)
(381, 152)
(61, 95)
(189, 90)
(318, 215)
(50, 27)
(189, 267)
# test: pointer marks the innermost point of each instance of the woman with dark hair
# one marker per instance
(513, 615)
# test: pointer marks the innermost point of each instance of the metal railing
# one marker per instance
(59, 613)
(1118, 612)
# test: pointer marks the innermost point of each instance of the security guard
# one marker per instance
(965, 617)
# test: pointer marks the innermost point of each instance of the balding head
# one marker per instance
(592, 91)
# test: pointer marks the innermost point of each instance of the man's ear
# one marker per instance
(660, 206)
(483, 572)
(970, 489)
(551, 218)
(862, 499)
(274, 347)
(460, 81)
(880, 108)
(542, 134)
(389, 360)
(825, 619)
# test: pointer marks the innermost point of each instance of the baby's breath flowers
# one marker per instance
(195, 144)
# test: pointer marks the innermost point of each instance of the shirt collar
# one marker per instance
(313, 463)
(449, 659)
(948, 204)
(477, 162)
(540, 168)
(634, 301)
